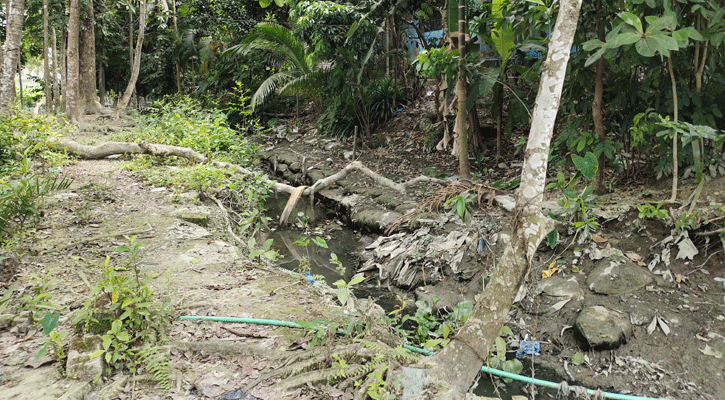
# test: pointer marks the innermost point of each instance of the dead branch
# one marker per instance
(161, 150)
(136, 231)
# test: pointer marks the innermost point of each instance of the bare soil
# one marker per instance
(206, 276)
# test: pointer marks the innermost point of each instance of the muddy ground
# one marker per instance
(204, 274)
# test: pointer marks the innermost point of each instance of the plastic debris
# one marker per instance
(527, 348)
(309, 278)
(55, 169)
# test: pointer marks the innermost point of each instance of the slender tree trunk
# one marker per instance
(88, 103)
(20, 81)
(13, 36)
(64, 67)
(675, 166)
(597, 114)
(46, 61)
(72, 106)
(56, 88)
(454, 369)
(176, 55)
(136, 61)
(464, 168)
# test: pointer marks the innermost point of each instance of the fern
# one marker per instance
(156, 361)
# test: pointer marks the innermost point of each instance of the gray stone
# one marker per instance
(80, 365)
(187, 197)
(505, 201)
(562, 287)
(389, 199)
(618, 277)
(374, 218)
(199, 218)
(603, 328)
(77, 391)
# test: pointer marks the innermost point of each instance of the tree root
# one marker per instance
(161, 150)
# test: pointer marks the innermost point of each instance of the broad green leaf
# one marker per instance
(355, 280)
(320, 242)
(513, 366)
(587, 165)
(646, 47)
(651, 3)
(594, 57)
(628, 38)
(590, 45)
(694, 34)
(97, 353)
(659, 24)
(265, 3)
(505, 330)
(681, 35)
(552, 238)
(632, 20)
(577, 359)
(42, 352)
(49, 322)
(279, 3)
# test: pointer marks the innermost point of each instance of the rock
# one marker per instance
(187, 197)
(618, 277)
(9, 266)
(603, 328)
(556, 292)
(80, 365)
(6, 320)
(505, 201)
(348, 154)
(199, 218)
(389, 199)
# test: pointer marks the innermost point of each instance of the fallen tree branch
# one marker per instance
(162, 150)
(130, 232)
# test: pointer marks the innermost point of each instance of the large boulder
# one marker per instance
(618, 277)
(603, 328)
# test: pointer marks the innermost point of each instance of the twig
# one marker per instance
(227, 223)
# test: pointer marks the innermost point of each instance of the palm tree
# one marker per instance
(297, 67)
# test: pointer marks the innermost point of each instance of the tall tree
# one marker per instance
(56, 86)
(123, 103)
(88, 103)
(11, 55)
(462, 125)
(72, 108)
(46, 61)
(454, 369)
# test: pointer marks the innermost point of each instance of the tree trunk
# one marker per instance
(461, 125)
(675, 166)
(72, 98)
(56, 88)
(136, 61)
(176, 54)
(46, 61)
(13, 36)
(597, 111)
(454, 369)
(20, 81)
(88, 103)
(63, 67)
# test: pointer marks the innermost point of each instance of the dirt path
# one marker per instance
(201, 271)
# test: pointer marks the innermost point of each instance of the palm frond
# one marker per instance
(270, 85)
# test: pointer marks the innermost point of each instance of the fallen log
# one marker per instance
(161, 150)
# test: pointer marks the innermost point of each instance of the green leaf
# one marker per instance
(513, 366)
(577, 359)
(320, 242)
(626, 38)
(279, 3)
(42, 352)
(505, 330)
(265, 3)
(587, 165)
(594, 57)
(49, 322)
(97, 353)
(632, 20)
(590, 45)
(552, 238)
(646, 47)
(355, 280)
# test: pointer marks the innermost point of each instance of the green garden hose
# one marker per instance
(562, 387)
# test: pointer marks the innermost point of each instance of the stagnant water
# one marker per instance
(346, 244)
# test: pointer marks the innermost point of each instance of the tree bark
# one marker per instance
(454, 369)
(675, 166)
(597, 114)
(88, 103)
(63, 67)
(461, 125)
(136, 62)
(13, 36)
(56, 88)
(176, 55)
(72, 95)
(46, 62)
